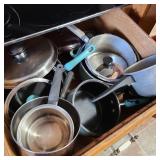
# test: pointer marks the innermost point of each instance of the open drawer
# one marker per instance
(119, 23)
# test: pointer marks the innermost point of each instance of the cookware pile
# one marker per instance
(53, 100)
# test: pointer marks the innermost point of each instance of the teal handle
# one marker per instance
(71, 64)
(72, 53)
(135, 102)
(31, 97)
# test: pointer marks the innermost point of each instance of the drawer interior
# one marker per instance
(117, 23)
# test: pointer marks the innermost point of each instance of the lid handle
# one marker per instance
(107, 61)
(18, 52)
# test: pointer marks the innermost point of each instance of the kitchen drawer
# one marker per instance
(117, 22)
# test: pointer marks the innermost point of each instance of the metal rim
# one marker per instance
(21, 85)
(57, 108)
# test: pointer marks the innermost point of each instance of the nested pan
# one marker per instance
(31, 108)
(41, 129)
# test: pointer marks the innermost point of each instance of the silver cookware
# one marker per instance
(31, 106)
(112, 55)
(44, 128)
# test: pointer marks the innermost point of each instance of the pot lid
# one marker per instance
(106, 66)
(33, 58)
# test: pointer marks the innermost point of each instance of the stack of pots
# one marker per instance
(29, 112)
(90, 109)
(37, 58)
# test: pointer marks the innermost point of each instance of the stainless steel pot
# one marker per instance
(29, 112)
(114, 48)
(67, 106)
(111, 56)
(44, 129)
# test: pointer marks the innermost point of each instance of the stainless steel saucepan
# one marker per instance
(107, 61)
(46, 128)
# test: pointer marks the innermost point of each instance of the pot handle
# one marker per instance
(67, 83)
(126, 80)
(56, 85)
(129, 103)
(79, 33)
(71, 64)
(37, 89)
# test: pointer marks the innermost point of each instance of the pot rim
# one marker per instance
(17, 88)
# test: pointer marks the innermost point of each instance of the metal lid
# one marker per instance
(33, 58)
(106, 65)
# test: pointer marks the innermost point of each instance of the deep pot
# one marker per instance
(96, 118)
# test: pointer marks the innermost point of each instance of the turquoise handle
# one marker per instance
(31, 97)
(71, 64)
(135, 102)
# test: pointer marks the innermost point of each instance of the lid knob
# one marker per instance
(18, 52)
(107, 61)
